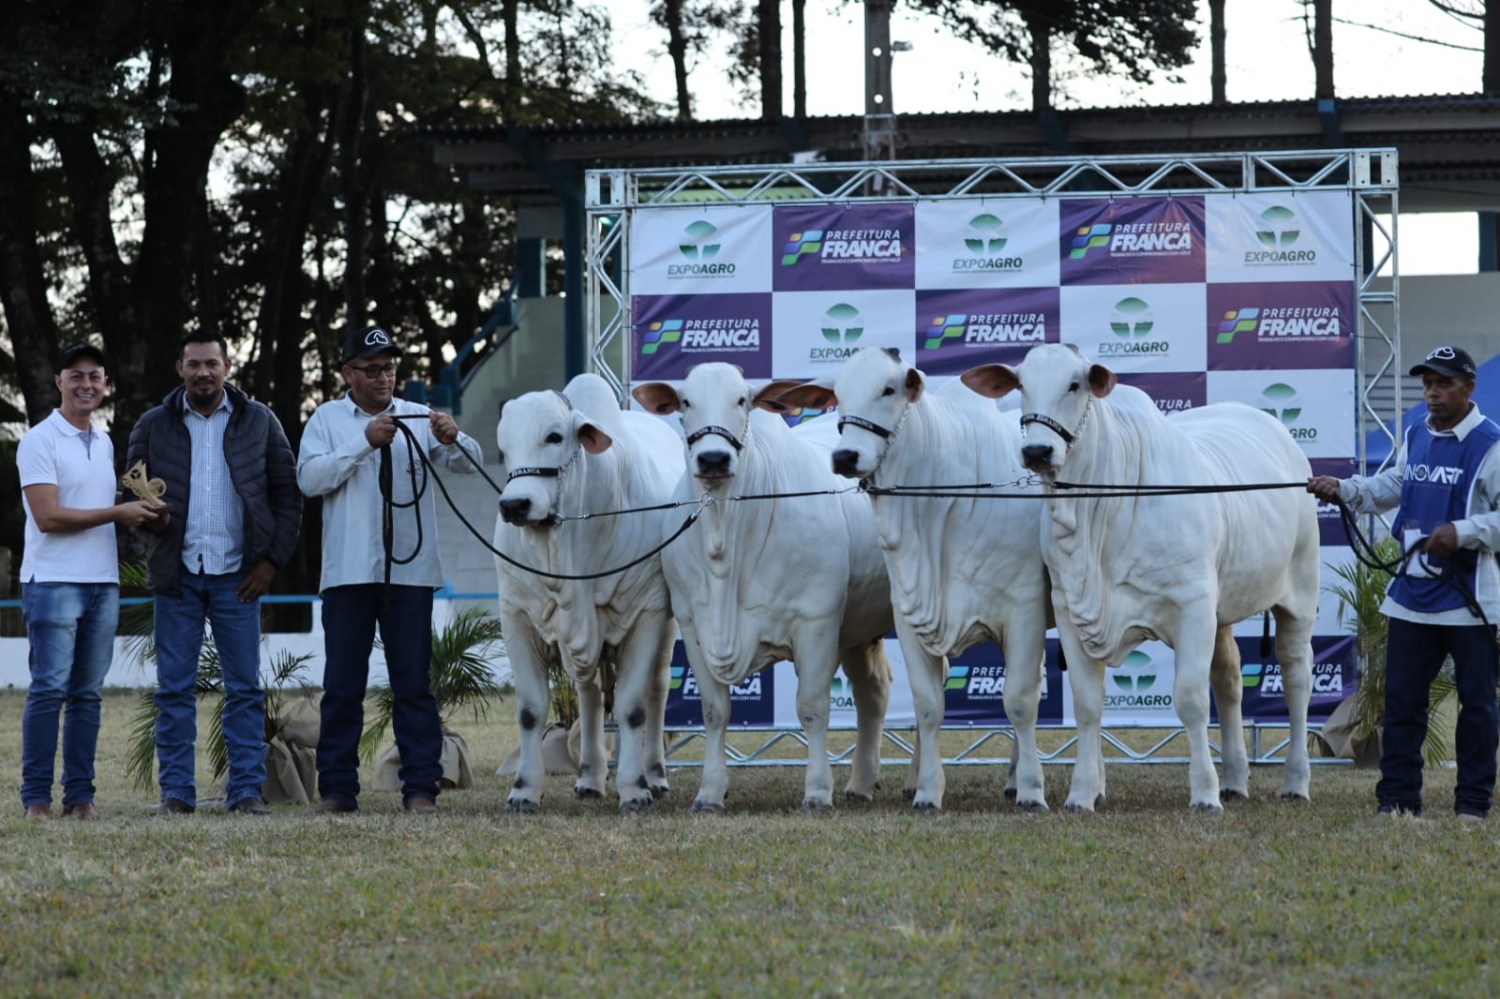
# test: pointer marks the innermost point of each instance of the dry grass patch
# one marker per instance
(1141, 898)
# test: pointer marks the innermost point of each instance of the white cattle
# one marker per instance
(572, 453)
(757, 581)
(1181, 569)
(963, 570)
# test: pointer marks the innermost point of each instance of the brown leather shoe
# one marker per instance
(84, 811)
(174, 806)
(420, 804)
(252, 805)
(333, 806)
(39, 811)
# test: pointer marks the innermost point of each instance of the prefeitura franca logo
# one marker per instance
(986, 329)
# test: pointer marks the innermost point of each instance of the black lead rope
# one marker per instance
(1364, 551)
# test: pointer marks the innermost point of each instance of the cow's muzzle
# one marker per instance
(1037, 457)
(846, 463)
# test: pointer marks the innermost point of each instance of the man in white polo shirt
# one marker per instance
(70, 583)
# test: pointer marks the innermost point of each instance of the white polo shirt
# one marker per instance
(82, 467)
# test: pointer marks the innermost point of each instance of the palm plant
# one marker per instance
(1360, 595)
(460, 674)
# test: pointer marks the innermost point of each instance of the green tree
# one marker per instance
(1136, 37)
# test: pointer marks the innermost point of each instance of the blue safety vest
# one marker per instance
(1441, 471)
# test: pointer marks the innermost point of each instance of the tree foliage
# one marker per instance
(1138, 38)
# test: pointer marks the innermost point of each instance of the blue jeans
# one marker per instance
(179, 642)
(404, 615)
(71, 631)
(1414, 655)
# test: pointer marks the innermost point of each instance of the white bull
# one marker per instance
(757, 581)
(1181, 569)
(572, 453)
(963, 570)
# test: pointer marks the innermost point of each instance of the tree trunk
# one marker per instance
(1218, 77)
(1322, 49)
(512, 61)
(1041, 63)
(1491, 74)
(677, 49)
(799, 59)
(350, 186)
(28, 317)
(770, 59)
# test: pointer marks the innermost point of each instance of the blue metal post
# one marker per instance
(531, 268)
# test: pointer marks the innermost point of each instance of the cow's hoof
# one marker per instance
(1300, 797)
(929, 807)
(1233, 794)
(707, 807)
(635, 806)
(816, 805)
(852, 795)
(1010, 794)
(583, 791)
(1100, 801)
(660, 790)
(522, 806)
(1208, 808)
(1034, 807)
(1074, 808)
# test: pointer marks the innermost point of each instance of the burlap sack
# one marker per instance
(559, 752)
(292, 753)
(1338, 740)
(458, 767)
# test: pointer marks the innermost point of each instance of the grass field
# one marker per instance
(1141, 898)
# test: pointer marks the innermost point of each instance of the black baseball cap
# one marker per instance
(1447, 362)
(74, 351)
(368, 342)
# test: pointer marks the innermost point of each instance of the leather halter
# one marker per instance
(702, 432)
(1057, 428)
(865, 424)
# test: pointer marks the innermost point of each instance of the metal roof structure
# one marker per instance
(1448, 145)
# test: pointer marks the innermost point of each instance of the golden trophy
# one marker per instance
(149, 491)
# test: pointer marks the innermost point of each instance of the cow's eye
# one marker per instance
(1073, 387)
(686, 404)
(888, 391)
(741, 402)
(554, 438)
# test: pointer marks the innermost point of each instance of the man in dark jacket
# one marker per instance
(235, 512)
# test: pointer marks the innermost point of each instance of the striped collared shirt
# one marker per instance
(214, 537)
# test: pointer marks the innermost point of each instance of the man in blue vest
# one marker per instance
(1446, 602)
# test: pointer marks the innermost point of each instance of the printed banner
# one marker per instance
(1193, 299)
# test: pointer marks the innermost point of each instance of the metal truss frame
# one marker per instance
(612, 196)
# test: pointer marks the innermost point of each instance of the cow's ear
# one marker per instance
(1101, 380)
(993, 381)
(809, 395)
(916, 384)
(657, 397)
(769, 397)
(592, 436)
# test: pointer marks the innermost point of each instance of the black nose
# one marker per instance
(713, 463)
(1036, 455)
(846, 462)
(514, 510)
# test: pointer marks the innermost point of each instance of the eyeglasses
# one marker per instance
(373, 371)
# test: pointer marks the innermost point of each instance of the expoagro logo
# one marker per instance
(698, 248)
(1278, 229)
(1282, 401)
(985, 240)
(1133, 679)
(1283, 324)
(1131, 321)
(842, 326)
(986, 329)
